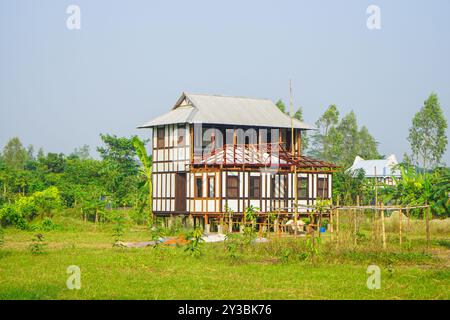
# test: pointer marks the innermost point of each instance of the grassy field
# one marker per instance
(261, 271)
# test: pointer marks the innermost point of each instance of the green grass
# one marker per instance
(170, 273)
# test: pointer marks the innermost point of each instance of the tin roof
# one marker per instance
(217, 109)
(378, 167)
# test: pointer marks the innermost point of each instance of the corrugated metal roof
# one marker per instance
(379, 168)
(216, 109)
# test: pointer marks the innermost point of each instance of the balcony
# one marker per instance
(270, 155)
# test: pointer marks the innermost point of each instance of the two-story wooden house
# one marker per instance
(216, 153)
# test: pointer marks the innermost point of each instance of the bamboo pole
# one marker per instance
(354, 226)
(355, 221)
(408, 214)
(383, 230)
(337, 221)
(400, 216)
(427, 221)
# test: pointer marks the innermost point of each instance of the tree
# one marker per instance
(14, 154)
(120, 167)
(81, 153)
(321, 142)
(427, 134)
(280, 104)
(368, 146)
(146, 170)
(340, 141)
(305, 138)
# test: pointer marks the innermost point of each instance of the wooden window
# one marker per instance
(211, 186)
(302, 188)
(232, 187)
(160, 138)
(322, 188)
(198, 187)
(255, 187)
(278, 186)
(181, 136)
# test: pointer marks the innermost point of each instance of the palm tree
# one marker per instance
(146, 170)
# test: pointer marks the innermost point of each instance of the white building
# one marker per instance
(384, 170)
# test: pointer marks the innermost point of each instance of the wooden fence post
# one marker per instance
(408, 214)
(337, 221)
(427, 221)
(383, 230)
(400, 226)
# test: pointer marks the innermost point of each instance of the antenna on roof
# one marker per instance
(291, 113)
(292, 156)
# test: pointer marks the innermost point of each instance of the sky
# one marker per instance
(131, 60)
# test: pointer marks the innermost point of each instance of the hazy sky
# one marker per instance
(130, 61)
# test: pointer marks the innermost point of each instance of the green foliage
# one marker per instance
(251, 213)
(14, 154)
(340, 141)
(427, 134)
(120, 168)
(194, 247)
(419, 188)
(37, 245)
(46, 225)
(81, 153)
(233, 245)
(285, 255)
(299, 116)
(119, 226)
(348, 185)
(280, 104)
(42, 203)
(146, 171)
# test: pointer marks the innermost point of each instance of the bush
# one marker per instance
(27, 208)
(46, 224)
(195, 242)
(37, 245)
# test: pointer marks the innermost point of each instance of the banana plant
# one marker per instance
(145, 170)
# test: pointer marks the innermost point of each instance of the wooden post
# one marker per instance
(427, 221)
(383, 231)
(409, 219)
(400, 226)
(337, 220)
(354, 225)
(331, 217)
(355, 221)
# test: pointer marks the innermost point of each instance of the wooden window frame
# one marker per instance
(321, 194)
(251, 191)
(160, 138)
(208, 186)
(232, 188)
(302, 182)
(181, 141)
(196, 190)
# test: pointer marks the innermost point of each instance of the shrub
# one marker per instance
(27, 208)
(46, 224)
(233, 244)
(195, 242)
(37, 245)
(119, 226)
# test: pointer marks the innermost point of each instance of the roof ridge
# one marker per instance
(225, 96)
